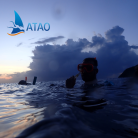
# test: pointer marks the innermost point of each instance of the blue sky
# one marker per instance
(79, 20)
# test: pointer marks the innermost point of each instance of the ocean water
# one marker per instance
(49, 110)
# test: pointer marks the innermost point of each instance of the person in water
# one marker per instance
(23, 82)
(88, 70)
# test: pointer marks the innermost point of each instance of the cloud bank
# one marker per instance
(46, 40)
(59, 62)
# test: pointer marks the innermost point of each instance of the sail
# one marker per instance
(18, 20)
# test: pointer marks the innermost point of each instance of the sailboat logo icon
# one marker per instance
(18, 25)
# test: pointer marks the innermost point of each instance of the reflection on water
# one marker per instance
(15, 112)
(48, 109)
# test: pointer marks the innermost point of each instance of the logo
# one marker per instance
(39, 27)
(18, 25)
(19, 28)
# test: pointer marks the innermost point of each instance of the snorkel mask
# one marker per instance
(87, 66)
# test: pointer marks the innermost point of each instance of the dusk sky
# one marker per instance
(105, 29)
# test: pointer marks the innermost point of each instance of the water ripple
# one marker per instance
(49, 109)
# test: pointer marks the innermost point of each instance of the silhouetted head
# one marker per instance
(87, 74)
(22, 82)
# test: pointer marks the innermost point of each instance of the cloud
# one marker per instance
(19, 44)
(59, 62)
(31, 38)
(134, 47)
(46, 40)
(114, 34)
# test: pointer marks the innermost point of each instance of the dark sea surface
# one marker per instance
(49, 110)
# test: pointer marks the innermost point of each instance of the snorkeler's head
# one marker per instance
(88, 69)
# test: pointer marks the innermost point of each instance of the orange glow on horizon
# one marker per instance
(5, 77)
